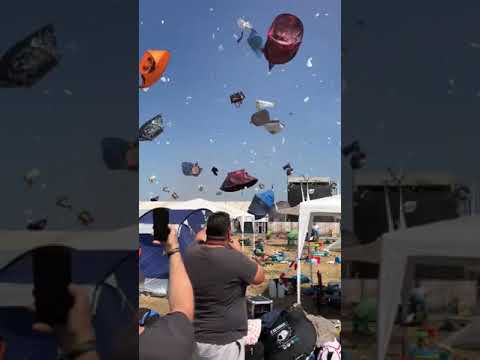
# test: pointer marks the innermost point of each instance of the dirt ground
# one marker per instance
(330, 272)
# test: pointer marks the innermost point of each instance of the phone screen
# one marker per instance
(51, 277)
(161, 218)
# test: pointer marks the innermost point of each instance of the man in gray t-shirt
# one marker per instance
(220, 274)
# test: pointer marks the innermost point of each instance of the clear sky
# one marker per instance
(207, 65)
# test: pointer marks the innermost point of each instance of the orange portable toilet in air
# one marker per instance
(152, 66)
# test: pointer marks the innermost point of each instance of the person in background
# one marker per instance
(220, 274)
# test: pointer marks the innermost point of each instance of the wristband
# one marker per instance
(173, 251)
(81, 349)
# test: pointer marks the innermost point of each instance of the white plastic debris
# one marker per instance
(244, 25)
(211, 140)
(163, 22)
(211, 9)
(263, 104)
(220, 47)
(306, 99)
(152, 179)
(213, 36)
(317, 15)
(283, 140)
(309, 62)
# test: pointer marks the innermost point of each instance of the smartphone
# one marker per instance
(52, 273)
(161, 218)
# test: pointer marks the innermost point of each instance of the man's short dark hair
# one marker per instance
(218, 224)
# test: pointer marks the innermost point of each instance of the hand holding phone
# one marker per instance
(51, 278)
(161, 217)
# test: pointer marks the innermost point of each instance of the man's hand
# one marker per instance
(78, 328)
(172, 240)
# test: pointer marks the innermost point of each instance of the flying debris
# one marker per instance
(152, 179)
(288, 168)
(409, 207)
(31, 176)
(274, 127)
(238, 180)
(155, 198)
(191, 169)
(116, 154)
(311, 191)
(201, 188)
(262, 104)
(237, 98)
(151, 129)
(218, 193)
(261, 186)
(357, 158)
(309, 62)
(283, 39)
(37, 225)
(166, 189)
(215, 171)
(255, 42)
(85, 217)
(29, 60)
(262, 204)
(260, 118)
(64, 202)
(152, 66)
(175, 196)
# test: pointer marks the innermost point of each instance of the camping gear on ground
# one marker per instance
(325, 329)
(292, 237)
(331, 350)
(151, 129)
(254, 331)
(272, 289)
(238, 180)
(262, 204)
(258, 305)
(292, 336)
(254, 352)
(363, 313)
(283, 39)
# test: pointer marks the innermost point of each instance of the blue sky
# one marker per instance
(207, 65)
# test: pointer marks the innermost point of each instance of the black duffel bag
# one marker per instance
(291, 337)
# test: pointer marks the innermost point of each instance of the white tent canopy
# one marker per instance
(447, 240)
(327, 206)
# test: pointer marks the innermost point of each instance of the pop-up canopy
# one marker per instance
(327, 206)
(445, 241)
